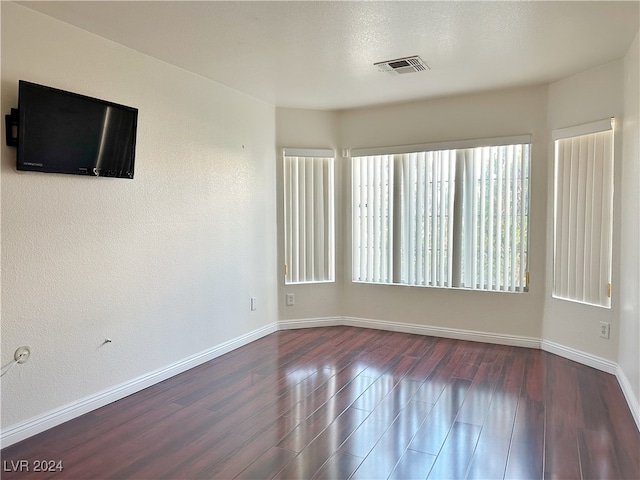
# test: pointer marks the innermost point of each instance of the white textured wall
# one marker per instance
(164, 264)
(589, 96)
(629, 348)
(496, 114)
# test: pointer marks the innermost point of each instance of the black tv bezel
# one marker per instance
(57, 91)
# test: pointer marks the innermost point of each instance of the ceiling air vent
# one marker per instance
(404, 65)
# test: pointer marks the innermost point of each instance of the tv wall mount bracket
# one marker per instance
(11, 128)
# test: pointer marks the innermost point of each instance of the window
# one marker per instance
(583, 213)
(309, 215)
(445, 215)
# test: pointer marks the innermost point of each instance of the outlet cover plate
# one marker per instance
(291, 299)
(604, 330)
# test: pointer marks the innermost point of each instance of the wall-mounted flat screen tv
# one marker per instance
(64, 132)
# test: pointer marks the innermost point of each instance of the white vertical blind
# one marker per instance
(419, 215)
(495, 231)
(583, 210)
(426, 226)
(309, 216)
(372, 181)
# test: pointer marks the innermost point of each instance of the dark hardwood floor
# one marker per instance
(342, 402)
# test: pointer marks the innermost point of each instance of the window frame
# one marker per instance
(455, 281)
(606, 125)
(290, 237)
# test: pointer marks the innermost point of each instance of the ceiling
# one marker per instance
(320, 55)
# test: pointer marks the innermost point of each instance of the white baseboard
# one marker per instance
(579, 356)
(455, 333)
(310, 323)
(72, 410)
(632, 401)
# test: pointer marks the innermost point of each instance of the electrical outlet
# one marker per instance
(291, 299)
(254, 304)
(604, 329)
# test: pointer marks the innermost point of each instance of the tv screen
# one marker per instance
(64, 132)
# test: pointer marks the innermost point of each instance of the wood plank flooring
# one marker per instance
(342, 402)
